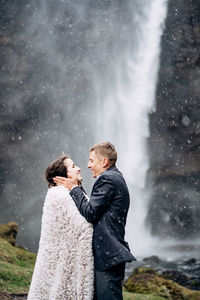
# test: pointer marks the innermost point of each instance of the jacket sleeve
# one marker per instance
(100, 199)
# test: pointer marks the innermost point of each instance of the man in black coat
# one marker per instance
(107, 211)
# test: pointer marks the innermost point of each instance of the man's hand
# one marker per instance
(66, 182)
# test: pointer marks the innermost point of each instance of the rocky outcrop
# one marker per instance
(183, 272)
(5, 296)
(174, 143)
(148, 281)
(8, 232)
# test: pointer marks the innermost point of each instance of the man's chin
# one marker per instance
(93, 174)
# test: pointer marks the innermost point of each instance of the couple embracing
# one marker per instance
(82, 251)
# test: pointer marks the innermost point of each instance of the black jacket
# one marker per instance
(107, 210)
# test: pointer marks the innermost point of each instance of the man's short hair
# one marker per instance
(106, 150)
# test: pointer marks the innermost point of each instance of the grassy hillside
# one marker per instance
(16, 267)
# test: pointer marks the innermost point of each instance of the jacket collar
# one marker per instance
(112, 168)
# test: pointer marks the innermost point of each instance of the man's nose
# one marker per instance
(89, 165)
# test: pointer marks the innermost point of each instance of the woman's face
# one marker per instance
(73, 171)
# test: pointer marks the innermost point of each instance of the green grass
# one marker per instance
(16, 255)
(16, 267)
(14, 279)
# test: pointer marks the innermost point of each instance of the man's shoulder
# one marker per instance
(110, 174)
(113, 171)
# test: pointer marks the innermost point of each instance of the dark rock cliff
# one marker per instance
(175, 127)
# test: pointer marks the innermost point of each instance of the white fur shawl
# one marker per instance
(64, 265)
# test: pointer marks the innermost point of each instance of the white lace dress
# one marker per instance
(64, 265)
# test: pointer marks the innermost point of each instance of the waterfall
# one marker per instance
(123, 113)
(77, 72)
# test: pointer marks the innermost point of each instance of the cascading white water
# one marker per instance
(69, 58)
(123, 114)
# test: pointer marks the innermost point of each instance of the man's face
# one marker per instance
(96, 164)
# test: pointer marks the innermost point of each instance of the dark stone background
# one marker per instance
(175, 127)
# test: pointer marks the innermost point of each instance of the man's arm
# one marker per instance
(99, 201)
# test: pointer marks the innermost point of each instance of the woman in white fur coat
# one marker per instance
(64, 264)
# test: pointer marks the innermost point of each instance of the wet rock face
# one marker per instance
(175, 126)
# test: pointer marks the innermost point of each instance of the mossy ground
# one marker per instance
(148, 281)
(133, 296)
(16, 267)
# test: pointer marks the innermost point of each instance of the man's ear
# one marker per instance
(105, 162)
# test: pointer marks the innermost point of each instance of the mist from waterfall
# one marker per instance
(123, 114)
(76, 73)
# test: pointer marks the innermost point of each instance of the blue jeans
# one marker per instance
(108, 284)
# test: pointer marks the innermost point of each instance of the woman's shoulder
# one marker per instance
(57, 198)
(57, 192)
